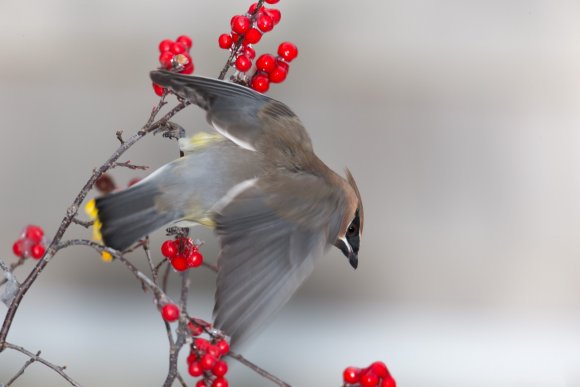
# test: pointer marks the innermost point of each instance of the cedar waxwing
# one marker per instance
(273, 203)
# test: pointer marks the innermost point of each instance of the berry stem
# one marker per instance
(231, 58)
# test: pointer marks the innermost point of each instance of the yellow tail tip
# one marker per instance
(93, 213)
(91, 209)
(106, 256)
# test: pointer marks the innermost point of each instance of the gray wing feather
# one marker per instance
(233, 109)
(263, 261)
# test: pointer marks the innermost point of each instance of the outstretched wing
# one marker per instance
(267, 250)
(237, 112)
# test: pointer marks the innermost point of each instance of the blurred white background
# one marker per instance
(459, 120)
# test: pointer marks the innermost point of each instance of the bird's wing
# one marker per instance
(237, 112)
(268, 247)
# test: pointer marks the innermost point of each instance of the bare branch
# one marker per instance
(84, 223)
(258, 370)
(21, 370)
(36, 357)
(119, 135)
(127, 164)
(9, 269)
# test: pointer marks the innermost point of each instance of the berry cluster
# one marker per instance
(182, 253)
(376, 374)
(174, 56)
(205, 360)
(247, 30)
(31, 243)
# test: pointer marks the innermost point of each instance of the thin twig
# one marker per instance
(9, 269)
(33, 357)
(119, 135)
(84, 223)
(181, 380)
(127, 164)
(258, 370)
(211, 266)
(21, 370)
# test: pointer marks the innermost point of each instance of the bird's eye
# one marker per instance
(352, 230)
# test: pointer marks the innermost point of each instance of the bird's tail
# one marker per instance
(126, 216)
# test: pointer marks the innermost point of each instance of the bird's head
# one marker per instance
(348, 240)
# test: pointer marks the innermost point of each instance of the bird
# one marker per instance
(274, 205)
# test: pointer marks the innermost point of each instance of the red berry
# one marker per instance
(184, 245)
(214, 351)
(179, 263)
(207, 361)
(351, 375)
(178, 48)
(253, 36)
(283, 63)
(201, 344)
(195, 369)
(266, 62)
(188, 69)
(220, 368)
(195, 329)
(220, 382)
(265, 22)
(165, 59)
(223, 346)
(37, 251)
(369, 379)
(243, 63)
(34, 233)
(380, 369)
(272, 1)
(18, 248)
(170, 312)
(225, 41)
(253, 7)
(240, 24)
(274, 14)
(389, 382)
(185, 40)
(249, 52)
(201, 383)
(260, 83)
(168, 249)
(165, 45)
(287, 51)
(278, 74)
(192, 357)
(158, 89)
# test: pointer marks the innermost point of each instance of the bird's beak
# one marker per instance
(347, 251)
(353, 259)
